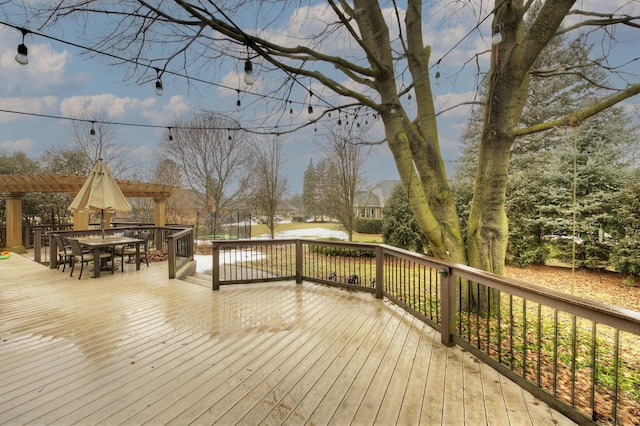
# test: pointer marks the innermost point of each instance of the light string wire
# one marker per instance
(264, 54)
(141, 64)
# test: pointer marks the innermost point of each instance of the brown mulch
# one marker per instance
(604, 286)
(157, 256)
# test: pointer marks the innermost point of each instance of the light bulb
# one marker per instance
(496, 37)
(249, 78)
(92, 134)
(159, 87)
(21, 57)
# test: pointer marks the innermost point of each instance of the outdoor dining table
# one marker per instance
(97, 243)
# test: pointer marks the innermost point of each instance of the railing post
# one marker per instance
(37, 246)
(171, 256)
(298, 262)
(448, 304)
(216, 267)
(53, 252)
(379, 272)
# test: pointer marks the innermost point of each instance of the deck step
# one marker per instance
(200, 279)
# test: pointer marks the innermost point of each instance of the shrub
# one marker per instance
(368, 226)
(341, 251)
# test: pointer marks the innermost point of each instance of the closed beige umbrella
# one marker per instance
(100, 192)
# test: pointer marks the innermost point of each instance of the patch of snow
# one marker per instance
(309, 233)
(204, 263)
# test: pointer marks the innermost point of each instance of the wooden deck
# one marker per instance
(137, 348)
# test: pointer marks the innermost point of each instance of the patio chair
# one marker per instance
(130, 251)
(127, 233)
(86, 257)
(64, 252)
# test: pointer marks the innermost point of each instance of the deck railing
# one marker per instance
(580, 356)
(176, 242)
(179, 249)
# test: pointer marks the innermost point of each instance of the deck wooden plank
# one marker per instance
(206, 364)
(312, 394)
(254, 405)
(494, 402)
(541, 414)
(453, 405)
(213, 386)
(397, 391)
(138, 348)
(416, 390)
(240, 396)
(59, 384)
(288, 407)
(474, 410)
(350, 404)
(432, 408)
(390, 380)
(330, 401)
(517, 406)
(74, 389)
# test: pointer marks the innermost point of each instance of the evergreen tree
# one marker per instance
(598, 147)
(399, 226)
(625, 255)
(309, 191)
(539, 193)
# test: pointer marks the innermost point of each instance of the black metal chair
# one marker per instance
(86, 257)
(130, 250)
(64, 252)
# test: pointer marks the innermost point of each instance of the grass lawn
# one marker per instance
(358, 238)
(603, 286)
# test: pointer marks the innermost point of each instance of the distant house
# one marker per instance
(286, 209)
(369, 204)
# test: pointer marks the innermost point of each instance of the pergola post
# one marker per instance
(14, 222)
(159, 218)
(160, 214)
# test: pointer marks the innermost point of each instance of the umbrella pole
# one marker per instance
(102, 222)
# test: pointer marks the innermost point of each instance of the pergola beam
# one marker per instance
(73, 183)
(14, 187)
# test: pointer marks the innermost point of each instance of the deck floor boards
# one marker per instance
(137, 348)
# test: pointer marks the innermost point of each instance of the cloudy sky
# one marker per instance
(63, 81)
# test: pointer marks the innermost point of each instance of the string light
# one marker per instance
(310, 108)
(249, 78)
(170, 135)
(238, 103)
(248, 67)
(496, 37)
(159, 89)
(92, 133)
(22, 57)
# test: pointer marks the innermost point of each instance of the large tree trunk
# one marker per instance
(414, 145)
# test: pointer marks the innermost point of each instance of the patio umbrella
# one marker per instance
(100, 192)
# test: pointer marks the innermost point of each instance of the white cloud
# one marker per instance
(24, 145)
(112, 105)
(36, 105)
(176, 107)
